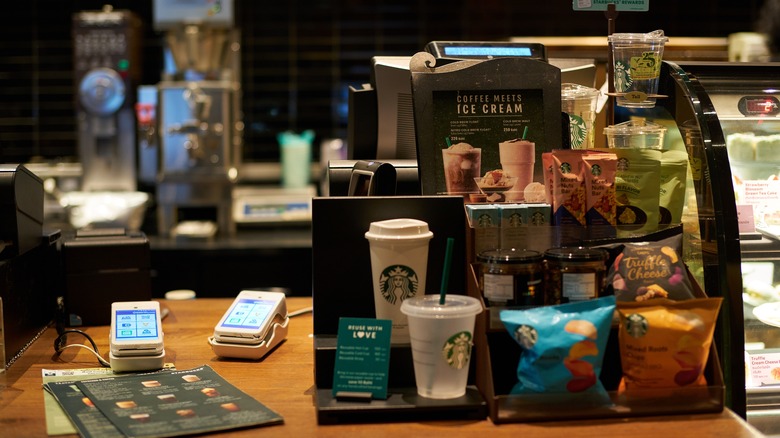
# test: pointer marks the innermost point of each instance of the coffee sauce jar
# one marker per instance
(512, 277)
(574, 274)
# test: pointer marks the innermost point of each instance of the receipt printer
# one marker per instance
(102, 266)
(21, 210)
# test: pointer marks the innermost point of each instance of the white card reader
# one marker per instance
(255, 324)
(136, 337)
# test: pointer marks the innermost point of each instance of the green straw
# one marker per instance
(448, 141)
(445, 275)
(525, 132)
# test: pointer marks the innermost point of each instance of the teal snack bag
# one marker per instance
(562, 346)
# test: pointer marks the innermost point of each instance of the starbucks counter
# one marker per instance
(283, 381)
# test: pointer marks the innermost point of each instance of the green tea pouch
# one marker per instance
(674, 173)
(637, 185)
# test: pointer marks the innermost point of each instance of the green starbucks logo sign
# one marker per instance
(397, 283)
(457, 350)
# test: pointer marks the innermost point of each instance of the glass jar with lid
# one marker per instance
(574, 274)
(512, 277)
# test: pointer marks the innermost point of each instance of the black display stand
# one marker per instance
(342, 287)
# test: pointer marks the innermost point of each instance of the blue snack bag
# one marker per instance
(562, 346)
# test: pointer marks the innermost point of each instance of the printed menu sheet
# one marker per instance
(163, 404)
(58, 420)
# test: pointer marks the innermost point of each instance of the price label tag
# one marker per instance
(362, 358)
(635, 96)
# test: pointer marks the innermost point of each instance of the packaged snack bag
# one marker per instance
(598, 172)
(568, 188)
(562, 346)
(664, 343)
(644, 271)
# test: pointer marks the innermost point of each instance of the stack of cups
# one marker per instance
(579, 102)
(399, 263)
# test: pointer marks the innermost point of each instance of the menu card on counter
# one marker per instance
(61, 390)
(163, 404)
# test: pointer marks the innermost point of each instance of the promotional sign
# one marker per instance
(620, 5)
(362, 357)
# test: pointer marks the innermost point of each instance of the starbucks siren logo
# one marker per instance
(398, 282)
(623, 79)
(577, 130)
(457, 350)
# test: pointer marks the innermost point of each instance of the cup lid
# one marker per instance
(571, 91)
(634, 127)
(399, 229)
(656, 36)
(427, 306)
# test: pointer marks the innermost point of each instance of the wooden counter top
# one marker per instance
(284, 380)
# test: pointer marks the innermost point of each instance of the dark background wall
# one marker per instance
(298, 56)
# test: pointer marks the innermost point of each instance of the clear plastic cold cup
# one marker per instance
(636, 62)
(442, 337)
(579, 102)
(399, 262)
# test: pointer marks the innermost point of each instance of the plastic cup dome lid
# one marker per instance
(635, 127)
(656, 36)
(577, 91)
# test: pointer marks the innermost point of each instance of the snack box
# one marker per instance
(497, 356)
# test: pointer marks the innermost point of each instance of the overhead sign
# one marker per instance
(620, 5)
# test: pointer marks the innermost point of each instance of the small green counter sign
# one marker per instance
(362, 358)
(620, 5)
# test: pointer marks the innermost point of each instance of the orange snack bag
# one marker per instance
(665, 343)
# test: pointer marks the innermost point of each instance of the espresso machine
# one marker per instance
(195, 122)
(107, 68)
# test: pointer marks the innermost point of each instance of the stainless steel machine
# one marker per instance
(195, 122)
(107, 68)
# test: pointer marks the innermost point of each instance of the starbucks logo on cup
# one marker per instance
(397, 283)
(457, 350)
(578, 130)
(623, 79)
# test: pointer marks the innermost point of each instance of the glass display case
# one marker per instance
(728, 118)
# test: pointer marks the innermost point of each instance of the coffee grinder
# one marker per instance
(106, 48)
(197, 122)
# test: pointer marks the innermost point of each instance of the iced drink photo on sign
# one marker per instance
(461, 165)
(517, 160)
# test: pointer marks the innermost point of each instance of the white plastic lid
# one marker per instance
(398, 230)
(427, 306)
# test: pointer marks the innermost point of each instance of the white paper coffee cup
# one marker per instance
(399, 262)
